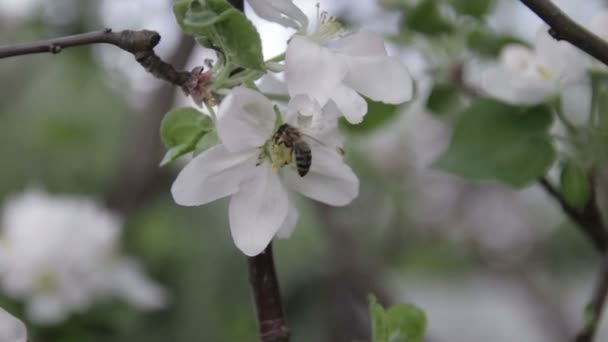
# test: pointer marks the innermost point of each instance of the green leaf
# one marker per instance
(501, 142)
(426, 18)
(400, 323)
(207, 141)
(378, 115)
(181, 129)
(574, 185)
(476, 8)
(488, 44)
(444, 98)
(218, 25)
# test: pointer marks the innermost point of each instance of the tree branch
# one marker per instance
(593, 311)
(588, 219)
(562, 27)
(139, 43)
(263, 279)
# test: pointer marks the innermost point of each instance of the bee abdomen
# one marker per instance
(303, 157)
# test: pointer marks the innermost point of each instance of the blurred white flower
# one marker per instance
(253, 167)
(531, 76)
(331, 64)
(11, 329)
(59, 254)
(283, 12)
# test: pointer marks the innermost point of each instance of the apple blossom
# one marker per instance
(59, 254)
(11, 329)
(530, 76)
(283, 12)
(332, 64)
(256, 172)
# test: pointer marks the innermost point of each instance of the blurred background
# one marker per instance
(484, 261)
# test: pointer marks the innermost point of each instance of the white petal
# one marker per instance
(351, 104)
(245, 120)
(361, 43)
(11, 329)
(130, 282)
(289, 225)
(516, 56)
(383, 79)
(46, 309)
(258, 210)
(324, 127)
(329, 180)
(269, 83)
(211, 175)
(283, 12)
(302, 105)
(514, 87)
(565, 62)
(312, 69)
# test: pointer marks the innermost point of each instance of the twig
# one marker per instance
(263, 279)
(593, 311)
(588, 219)
(139, 43)
(562, 27)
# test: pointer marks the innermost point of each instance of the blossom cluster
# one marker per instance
(267, 148)
(60, 255)
(527, 75)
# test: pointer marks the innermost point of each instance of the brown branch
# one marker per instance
(588, 219)
(263, 279)
(562, 27)
(593, 311)
(139, 43)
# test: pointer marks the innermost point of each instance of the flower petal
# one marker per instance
(312, 69)
(517, 57)
(329, 180)
(560, 58)
(258, 210)
(383, 79)
(289, 225)
(301, 105)
(11, 329)
(211, 175)
(361, 43)
(245, 120)
(351, 104)
(283, 12)
(508, 85)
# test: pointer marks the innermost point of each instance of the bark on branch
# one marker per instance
(266, 293)
(139, 43)
(562, 27)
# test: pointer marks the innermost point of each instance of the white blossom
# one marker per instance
(59, 254)
(332, 64)
(283, 12)
(530, 76)
(11, 328)
(256, 172)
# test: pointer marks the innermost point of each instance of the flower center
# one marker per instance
(327, 28)
(544, 73)
(276, 151)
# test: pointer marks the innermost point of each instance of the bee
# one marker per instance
(292, 138)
